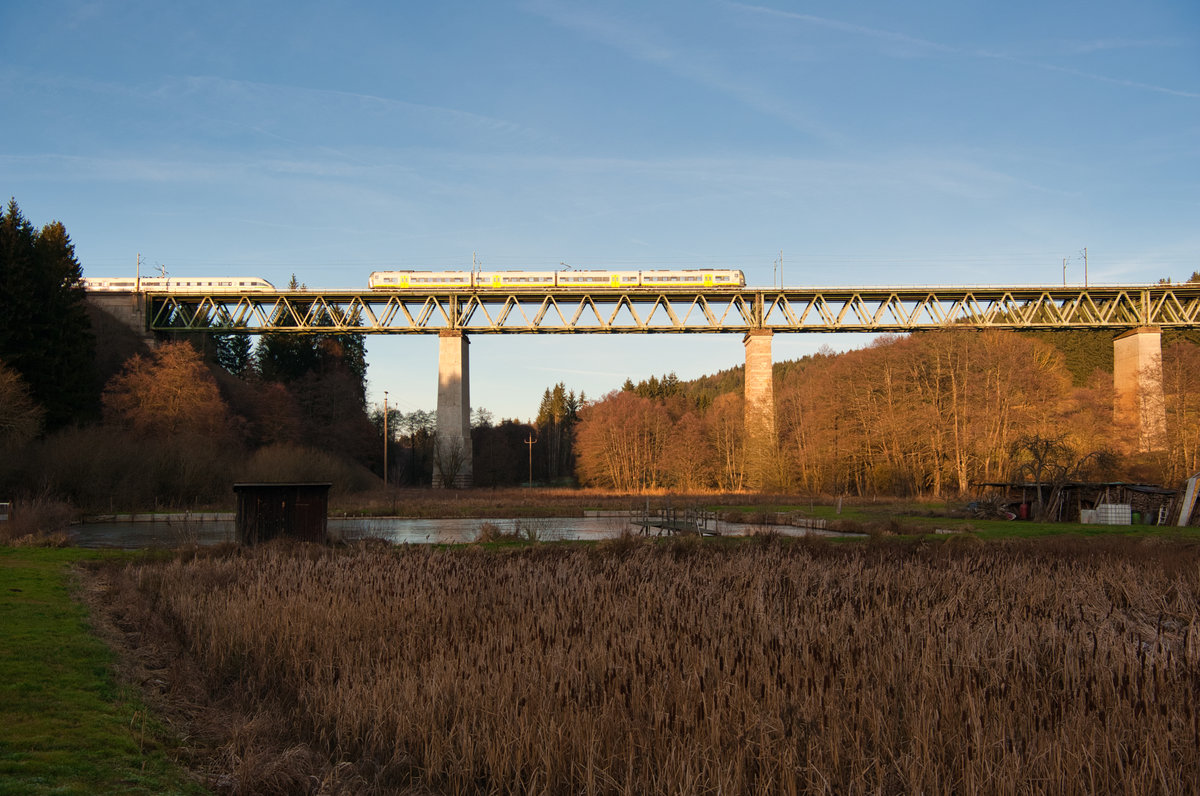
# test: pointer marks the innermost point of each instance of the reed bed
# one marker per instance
(690, 668)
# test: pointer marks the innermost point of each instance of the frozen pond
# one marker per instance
(178, 532)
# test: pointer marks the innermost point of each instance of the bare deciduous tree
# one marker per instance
(621, 440)
(450, 461)
(20, 416)
(1050, 463)
(168, 392)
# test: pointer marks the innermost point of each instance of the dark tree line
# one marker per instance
(45, 334)
(181, 421)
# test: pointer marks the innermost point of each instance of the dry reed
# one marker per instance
(684, 667)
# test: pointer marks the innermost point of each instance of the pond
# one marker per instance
(177, 531)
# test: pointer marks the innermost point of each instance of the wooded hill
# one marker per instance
(928, 413)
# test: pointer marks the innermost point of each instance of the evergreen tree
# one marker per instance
(45, 333)
(557, 416)
(234, 353)
(1086, 350)
(326, 373)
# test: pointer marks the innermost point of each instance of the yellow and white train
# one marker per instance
(429, 281)
(417, 281)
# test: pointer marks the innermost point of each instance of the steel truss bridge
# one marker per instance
(801, 309)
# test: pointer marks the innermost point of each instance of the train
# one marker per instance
(429, 281)
(212, 284)
(465, 280)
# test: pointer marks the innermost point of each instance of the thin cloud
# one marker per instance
(1108, 45)
(847, 27)
(937, 47)
(640, 45)
(299, 96)
(1116, 81)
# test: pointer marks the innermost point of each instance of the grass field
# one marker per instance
(1064, 665)
(66, 725)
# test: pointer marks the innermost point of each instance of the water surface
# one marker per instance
(397, 530)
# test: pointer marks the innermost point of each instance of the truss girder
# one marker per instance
(883, 309)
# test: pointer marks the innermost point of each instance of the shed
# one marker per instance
(294, 510)
(1153, 504)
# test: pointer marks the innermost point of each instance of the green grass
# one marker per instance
(913, 518)
(66, 726)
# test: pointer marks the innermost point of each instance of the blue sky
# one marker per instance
(871, 143)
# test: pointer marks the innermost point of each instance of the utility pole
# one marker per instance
(1064, 272)
(530, 443)
(1085, 266)
(781, 269)
(385, 439)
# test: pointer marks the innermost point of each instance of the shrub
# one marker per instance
(288, 462)
(38, 521)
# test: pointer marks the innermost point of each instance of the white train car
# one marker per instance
(158, 284)
(595, 279)
(502, 279)
(699, 277)
(419, 280)
(578, 280)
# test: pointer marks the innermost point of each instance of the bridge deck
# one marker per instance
(868, 309)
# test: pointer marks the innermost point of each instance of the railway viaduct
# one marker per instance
(1136, 315)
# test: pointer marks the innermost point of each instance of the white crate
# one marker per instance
(1114, 514)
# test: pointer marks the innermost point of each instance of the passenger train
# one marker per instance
(439, 280)
(428, 281)
(214, 284)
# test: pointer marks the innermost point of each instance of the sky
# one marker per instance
(868, 143)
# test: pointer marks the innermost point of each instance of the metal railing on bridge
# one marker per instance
(802, 309)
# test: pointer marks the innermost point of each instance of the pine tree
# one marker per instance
(556, 420)
(234, 352)
(45, 333)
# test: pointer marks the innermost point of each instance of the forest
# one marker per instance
(91, 416)
(924, 414)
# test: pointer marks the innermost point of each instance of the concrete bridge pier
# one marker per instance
(761, 443)
(452, 453)
(127, 310)
(1138, 387)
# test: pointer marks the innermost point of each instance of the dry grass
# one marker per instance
(38, 521)
(683, 667)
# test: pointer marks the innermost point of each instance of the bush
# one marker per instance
(40, 521)
(287, 462)
(522, 531)
(103, 468)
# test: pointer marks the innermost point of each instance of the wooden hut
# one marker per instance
(293, 510)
